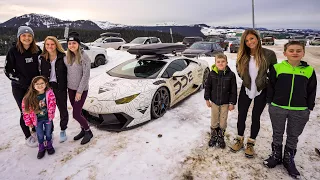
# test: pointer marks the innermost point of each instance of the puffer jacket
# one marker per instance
(261, 80)
(221, 87)
(31, 117)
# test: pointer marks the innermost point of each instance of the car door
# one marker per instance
(178, 85)
(117, 42)
(106, 43)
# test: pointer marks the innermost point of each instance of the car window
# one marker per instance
(154, 40)
(116, 40)
(174, 66)
(64, 46)
(108, 40)
(134, 69)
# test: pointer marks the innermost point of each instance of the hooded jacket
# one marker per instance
(221, 86)
(21, 68)
(292, 88)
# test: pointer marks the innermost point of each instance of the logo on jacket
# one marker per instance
(29, 60)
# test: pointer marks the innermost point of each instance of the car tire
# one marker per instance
(99, 60)
(160, 103)
(205, 76)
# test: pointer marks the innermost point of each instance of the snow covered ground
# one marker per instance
(181, 152)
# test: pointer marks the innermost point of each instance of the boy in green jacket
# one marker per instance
(291, 91)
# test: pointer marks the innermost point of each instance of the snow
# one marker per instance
(181, 153)
(107, 25)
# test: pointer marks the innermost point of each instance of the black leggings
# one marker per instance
(18, 94)
(243, 106)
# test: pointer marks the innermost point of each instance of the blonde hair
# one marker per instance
(33, 47)
(221, 56)
(31, 98)
(243, 56)
(74, 57)
(59, 48)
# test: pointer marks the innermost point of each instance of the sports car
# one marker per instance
(142, 89)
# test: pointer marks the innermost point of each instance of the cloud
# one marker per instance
(268, 13)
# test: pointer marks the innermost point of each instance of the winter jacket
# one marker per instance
(261, 80)
(221, 87)
(79, 74)
(31, 117)
(292, 88)
(60, 68)
(21, 68)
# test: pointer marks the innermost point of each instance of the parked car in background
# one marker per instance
(188, 41)
(108, 42)
(220, 40)
(139, 41)
(315, 41)
(267, 40)
(203, 48)
(301, 39)
(231, 39)
(234, 46)
(97, 55)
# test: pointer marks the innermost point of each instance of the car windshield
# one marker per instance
(136, 69)
(139, 40)
(99, 40)
(204, 46)
(190, 40)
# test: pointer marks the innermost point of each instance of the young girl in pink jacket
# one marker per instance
(38, 108)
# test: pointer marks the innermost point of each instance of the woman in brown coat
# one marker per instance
(253, 63)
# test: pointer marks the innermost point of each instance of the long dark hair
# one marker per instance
(33, 47)
(30, 99)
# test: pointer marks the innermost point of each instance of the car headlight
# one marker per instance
(126, 99)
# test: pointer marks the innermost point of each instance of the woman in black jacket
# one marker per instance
(21, 67)
(53, 68)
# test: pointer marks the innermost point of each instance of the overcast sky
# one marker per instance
(268, 13)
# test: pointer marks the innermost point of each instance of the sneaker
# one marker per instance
(32, 141)
(63, 136)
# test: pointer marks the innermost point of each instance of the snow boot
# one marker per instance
(87, 137)
(249, 152)
(80, 135)
(288, 162)
(50, 148)
(214, 138)
(42, 151)
(238, 144)
(275, 158)
(221, 141)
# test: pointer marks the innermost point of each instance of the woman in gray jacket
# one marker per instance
(78, 64)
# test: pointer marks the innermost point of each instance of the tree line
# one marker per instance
(9, 35)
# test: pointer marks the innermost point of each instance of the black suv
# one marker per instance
(188, 41)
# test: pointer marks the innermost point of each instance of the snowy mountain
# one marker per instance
(40, 21)
(108, 25)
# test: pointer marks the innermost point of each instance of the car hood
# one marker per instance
(195, 51)
(107, 88)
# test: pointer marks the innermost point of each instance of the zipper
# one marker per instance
(292, 82)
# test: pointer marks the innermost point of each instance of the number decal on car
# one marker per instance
(183, 82)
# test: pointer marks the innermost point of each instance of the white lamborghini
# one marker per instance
(143, 88)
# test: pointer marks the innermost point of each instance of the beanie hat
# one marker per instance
(24, 29)
(73, 36)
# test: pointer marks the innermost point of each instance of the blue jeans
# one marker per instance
(44, 128)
